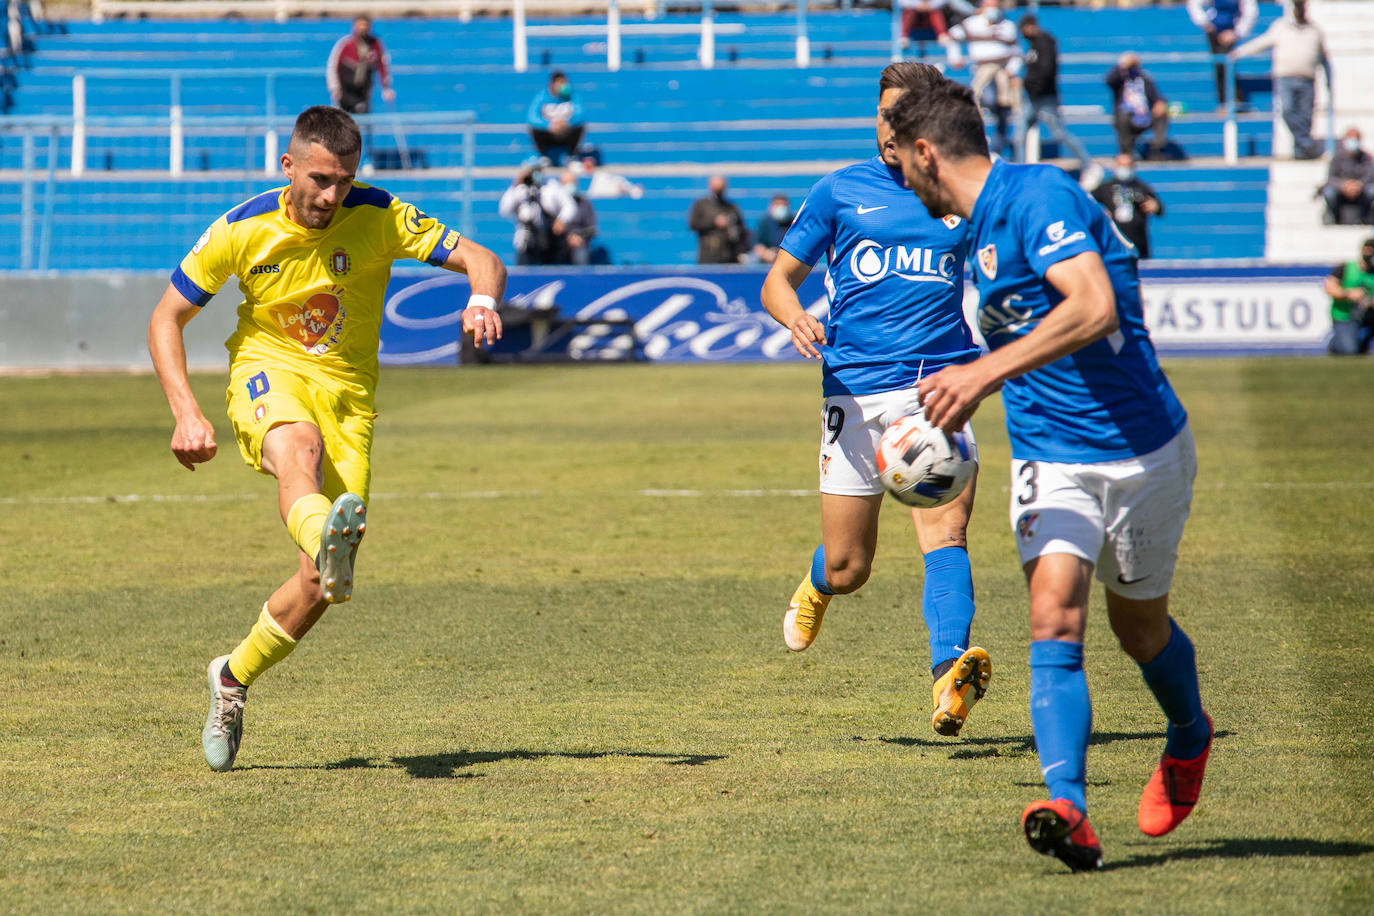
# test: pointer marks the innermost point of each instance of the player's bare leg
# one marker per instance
(961, 671)
(1168, 664)
(849, 535)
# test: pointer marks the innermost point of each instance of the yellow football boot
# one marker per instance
(802, 621)
(958, 689)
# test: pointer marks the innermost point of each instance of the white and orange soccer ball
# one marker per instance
(924, 467)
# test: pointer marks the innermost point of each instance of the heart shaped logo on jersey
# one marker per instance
(307, 324)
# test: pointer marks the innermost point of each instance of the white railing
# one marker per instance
(282, 10)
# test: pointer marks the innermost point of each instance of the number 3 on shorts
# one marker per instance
(1030, 492)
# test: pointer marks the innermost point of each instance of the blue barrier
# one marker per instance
(714, 314)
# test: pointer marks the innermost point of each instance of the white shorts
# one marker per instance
(1124, 516)
(851, 426)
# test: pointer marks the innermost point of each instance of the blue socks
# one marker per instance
(947, 603)
(1172, 678)
(1061, 716)
(818, 572)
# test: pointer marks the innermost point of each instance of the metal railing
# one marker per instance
(56, 149)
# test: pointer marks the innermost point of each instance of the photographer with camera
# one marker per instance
(535, 204)
(1351, 288)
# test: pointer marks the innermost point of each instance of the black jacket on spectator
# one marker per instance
(1123, 200)
(1042, 66)
(1348, 166)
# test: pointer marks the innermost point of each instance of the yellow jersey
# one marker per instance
(312, 298)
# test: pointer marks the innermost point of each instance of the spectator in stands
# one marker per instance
(352, 63)
(1137, 106)
(1351, 288)
(1224, 22)
(1042, 87)
(719, 225)
(1348, 192)
(573, 235)
(922, 21)
(997, 64)
(555, 119)
(1298, 50)
(1131, 202)
(773, 225)
(535, 204)
(602, 183)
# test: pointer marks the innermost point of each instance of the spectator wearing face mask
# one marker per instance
(576, 226)
(1298, 50)
(555, 119)
(773, 225)
(997, 63)
(1351, 288)
(1137, 106)
(1130, 202)
(1347, 191)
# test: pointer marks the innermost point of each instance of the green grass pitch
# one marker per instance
(561, 684)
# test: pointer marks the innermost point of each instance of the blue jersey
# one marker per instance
(1107, 401)
(895, 279)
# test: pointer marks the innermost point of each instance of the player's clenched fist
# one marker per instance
(951, 395)
(807, 332)
(193, 442)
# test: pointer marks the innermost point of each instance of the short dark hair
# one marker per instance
(944, 116)
(557, 75)
(331, 128)
(908, 75)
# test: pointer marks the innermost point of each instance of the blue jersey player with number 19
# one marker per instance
(895, 281)
(1102, 458)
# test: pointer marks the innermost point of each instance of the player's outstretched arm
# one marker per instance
(193, 439)
(1087, 313)
(487, 277)
(780, 299)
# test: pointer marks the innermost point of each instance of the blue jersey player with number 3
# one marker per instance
(1102, 458)
(895, 284)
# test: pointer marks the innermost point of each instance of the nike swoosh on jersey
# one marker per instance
(863, 210)
(1124, 581)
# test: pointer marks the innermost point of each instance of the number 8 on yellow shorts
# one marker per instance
(262, 396)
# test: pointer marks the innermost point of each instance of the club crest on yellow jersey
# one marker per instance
(339, 262)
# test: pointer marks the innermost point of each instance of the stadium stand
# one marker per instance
(663, 120)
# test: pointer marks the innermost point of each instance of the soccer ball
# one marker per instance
(923, 467)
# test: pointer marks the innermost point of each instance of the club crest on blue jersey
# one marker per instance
(987, 261)
(951, 221)
(339, 262)
(870, 262)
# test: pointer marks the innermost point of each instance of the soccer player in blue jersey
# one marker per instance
(1102, 457)
(895, 283)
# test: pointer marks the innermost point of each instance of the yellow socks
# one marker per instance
(305, 521)
(264, 646)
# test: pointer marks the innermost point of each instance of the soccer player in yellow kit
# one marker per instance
(313, 260)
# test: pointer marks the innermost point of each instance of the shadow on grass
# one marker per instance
(985, 747)
(1260, 848)
(451, 766)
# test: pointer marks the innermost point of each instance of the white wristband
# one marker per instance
(481, 301)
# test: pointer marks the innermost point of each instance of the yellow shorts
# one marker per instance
(263, 395)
